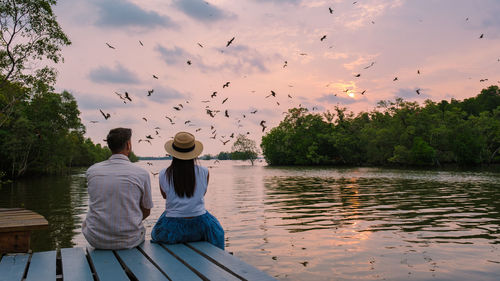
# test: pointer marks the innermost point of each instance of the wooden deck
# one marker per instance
(15, 229)
(149, 261)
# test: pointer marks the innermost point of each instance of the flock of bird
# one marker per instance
(213, 111)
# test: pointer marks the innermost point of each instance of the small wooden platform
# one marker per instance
(15, 229)
(148, 261)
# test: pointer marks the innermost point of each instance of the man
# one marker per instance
(119, 197)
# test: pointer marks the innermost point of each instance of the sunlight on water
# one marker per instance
(320, 223)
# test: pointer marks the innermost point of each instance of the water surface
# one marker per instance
(318, 223)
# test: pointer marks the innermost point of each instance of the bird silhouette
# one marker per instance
(144, 118)
(150, 92)
(271, 94)
(395, 79)
(188, 62)
(418, 71)
(286, 63)
(109, 46)
(127, 96)
(229, 42)
(224, 100)
(331, 10)
(371, 64)
(232, 135)
(253, 112)
(289, 96)
(224, 142)
(121, 97)
(483, 80)
(357, 75)
(226, 113)
(323, 38)
(170, 119)
(201, 46)
(263, 125)
(480, 37)
(176, 108)
(226, 85)
(149, 137)
(141, 43)
(303, 54)
(362, 93)
(187, 122)
(93, 121)
(149, 163)
(197, 130)
(145, 141)
(155, 77)
(154, 174)
(418, 91)
(106, 115)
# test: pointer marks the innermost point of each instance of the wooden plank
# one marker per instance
(75, 266)
(229, 262)
(174, 269)
(199, 263)
(106, 265)
(21, 220)
(139, 265)
(12, 267)
(42, 266)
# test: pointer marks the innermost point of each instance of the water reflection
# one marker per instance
(60, 199)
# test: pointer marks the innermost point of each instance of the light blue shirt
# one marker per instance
(176, 206)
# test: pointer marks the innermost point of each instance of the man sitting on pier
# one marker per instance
(119, 197)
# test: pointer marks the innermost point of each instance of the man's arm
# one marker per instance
(145, 212)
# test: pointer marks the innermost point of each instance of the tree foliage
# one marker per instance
(244, 149)
(396, 132)
(29, 32)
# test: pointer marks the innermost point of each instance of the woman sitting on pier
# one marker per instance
(184, 184)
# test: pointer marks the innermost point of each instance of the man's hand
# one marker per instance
(145, 213)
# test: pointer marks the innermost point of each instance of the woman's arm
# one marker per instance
(208, 177)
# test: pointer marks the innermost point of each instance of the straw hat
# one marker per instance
(184, 146)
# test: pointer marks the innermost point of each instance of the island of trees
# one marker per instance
(395, 133)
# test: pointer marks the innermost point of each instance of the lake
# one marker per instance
(317, 223)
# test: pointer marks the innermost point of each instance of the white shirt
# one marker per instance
(193, 206)
(117, 190)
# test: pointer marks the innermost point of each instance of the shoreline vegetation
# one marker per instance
(396, 133)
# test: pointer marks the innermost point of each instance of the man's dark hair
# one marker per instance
(117, 139)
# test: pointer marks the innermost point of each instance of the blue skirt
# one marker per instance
(173, 230)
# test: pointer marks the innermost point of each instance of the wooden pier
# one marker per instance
(149, 261)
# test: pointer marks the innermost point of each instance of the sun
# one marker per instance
(350, 94)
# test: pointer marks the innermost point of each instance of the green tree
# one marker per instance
(244, 149)
(29, 32)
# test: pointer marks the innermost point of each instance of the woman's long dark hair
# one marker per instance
(181, 173)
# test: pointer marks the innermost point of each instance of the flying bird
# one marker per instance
(480, 37)
(357, 75)
(225, 85)
(150, 92)
(106, 115)
(362, 93)
(395, 79)
(331, 10)
(232, 135)
(154, 174)
(289, 96)
(149, 137)
(226, 113)
(214, 94)
(93, 121)
(418, 91)
(176, 108)
(144, 118)
(323, 38)
(271, 94)
(170, 119)
(199, 129)
(253, 112)
(483, 80)
(262, 124)
(145, 141)
(229, 42)
(186, 122)
(201, 46)
(141, 43)
(224, 142)
(286, 63)
(109, 46)
(188, 62)
(418, 71)
(224, 100)
(371, 64)
(155, 77)
(127, 96)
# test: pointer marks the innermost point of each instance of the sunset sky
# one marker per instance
(378, 39)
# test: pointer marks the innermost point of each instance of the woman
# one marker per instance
(184, 184)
